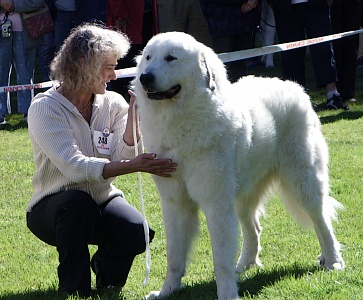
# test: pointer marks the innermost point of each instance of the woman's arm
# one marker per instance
(146, 162)
(129, 134)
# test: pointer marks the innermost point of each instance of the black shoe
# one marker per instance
(98, 272)
(2, 120)
(336, 102)
(107, 276)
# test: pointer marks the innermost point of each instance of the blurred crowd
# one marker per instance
(224, 25)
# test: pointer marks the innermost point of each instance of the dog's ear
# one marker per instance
(213, 68)
(209, 76)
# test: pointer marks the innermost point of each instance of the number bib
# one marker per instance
(103, 141)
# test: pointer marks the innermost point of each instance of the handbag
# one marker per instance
(39, 22)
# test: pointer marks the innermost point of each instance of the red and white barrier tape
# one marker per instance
(121, 73)
(225, 57)
(237, 55)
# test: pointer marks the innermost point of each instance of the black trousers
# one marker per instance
(346, 16)
(235, 69)
(306, 22)
(71, 220)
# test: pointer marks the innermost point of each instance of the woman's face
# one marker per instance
(107, 74)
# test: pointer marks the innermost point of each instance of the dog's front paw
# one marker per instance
(153, 295)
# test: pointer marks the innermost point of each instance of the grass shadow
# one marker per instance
(52, 294)
(249, 287)
(13, 127)
(34, 295)
(14, 122)
(252, 286)
(343, 115)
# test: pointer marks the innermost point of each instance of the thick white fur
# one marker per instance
(232, 143)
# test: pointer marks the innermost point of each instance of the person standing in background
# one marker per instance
(346, 16)
(300, 19)
(137, 19)
(46, 51)
(360, 48)
(18, 50)
(71, 13)
(231, 24)
(184, 16)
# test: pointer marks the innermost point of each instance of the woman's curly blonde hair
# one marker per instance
(78, 63)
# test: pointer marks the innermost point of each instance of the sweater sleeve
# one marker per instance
(122, 151)
(63, 145)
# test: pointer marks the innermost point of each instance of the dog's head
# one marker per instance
(174, 64)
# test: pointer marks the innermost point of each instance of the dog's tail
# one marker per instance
(329, 207)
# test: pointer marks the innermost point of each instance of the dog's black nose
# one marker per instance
(146, 79)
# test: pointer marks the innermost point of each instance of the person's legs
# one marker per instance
(197, 25)
(6, 58)
(67, 220)
(167, 11)
(346, 17)
(46, 53)
(63, 25)
(24, 63)
(235, 69)
(290, 28)
(322, 54)
(120, 237)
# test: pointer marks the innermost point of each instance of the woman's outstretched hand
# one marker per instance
(145, 162)
(149, 163)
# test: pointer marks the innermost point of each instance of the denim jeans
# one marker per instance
(46, 54)
(64, 22)
(13, 53)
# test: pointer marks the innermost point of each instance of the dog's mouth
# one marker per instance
(170, 93)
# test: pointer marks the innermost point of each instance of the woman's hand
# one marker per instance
(145, 162)
(149, 163)
(248, 6)
(7, 5)
(132, 99)
(121, 24)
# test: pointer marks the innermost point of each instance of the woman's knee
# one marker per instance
(80, 206)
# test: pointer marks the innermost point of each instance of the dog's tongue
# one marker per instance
(172, 90)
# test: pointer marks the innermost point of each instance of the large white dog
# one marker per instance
(232, 143)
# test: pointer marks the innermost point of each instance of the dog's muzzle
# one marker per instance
(147, 81)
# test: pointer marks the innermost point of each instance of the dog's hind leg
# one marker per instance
(306, 197)
(321, 215)
(251, 232)
(330, 256)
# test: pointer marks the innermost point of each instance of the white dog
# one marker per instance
(232, 143)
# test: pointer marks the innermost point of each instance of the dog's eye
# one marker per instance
(148, 57)
(170, 58)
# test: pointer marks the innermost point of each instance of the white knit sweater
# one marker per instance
(64, 153)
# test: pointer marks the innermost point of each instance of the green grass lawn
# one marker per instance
(28, 267)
